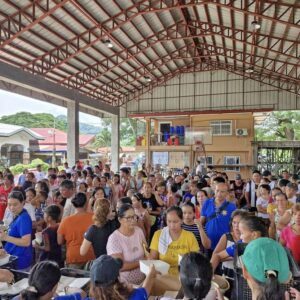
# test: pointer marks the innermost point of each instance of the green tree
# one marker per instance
(39, 120)
(128, 129)
(103, 139)
(279, 126)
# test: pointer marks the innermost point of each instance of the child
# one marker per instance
(262, 202)
(143, 221)
(50, 250)
(39, 202)
(194, 225)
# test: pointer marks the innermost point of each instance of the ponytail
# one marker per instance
(30, 294)
(270, 290)
(254, 223)
(44, 276)
(272, 287)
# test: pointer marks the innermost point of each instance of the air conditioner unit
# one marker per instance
(241, 132)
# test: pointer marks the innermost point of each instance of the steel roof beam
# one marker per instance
(109, 35)
(13, 26)
(201, 66)
(211, 66)
(37, 83)
(118, 83)
(154, 50)
(184, 53)
(71, 48)
(266, 73)
(26, 14)
(98, 69)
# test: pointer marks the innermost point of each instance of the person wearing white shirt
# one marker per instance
(87, 165)
(66, 167)
(263, 201)
(251, 188)
(39, 174)
(291, 190)
(67, 190)
(268, 175)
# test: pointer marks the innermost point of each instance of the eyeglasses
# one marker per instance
(131, 218)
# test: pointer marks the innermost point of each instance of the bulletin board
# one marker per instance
(177, 159)
(160, 158)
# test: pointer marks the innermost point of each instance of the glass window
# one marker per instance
(232, 160)
(221, 127)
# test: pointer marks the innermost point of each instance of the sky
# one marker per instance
(11, 103)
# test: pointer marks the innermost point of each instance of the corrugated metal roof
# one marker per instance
(65, 42)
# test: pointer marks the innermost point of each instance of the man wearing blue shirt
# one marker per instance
(216, 214)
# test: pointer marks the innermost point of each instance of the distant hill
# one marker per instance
(45, 120)
(84, 128)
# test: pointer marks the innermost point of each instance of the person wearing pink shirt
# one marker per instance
(290, 235)
(127, 243)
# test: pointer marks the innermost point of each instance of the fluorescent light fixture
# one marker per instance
(249, 70)
(108, 44)
(255, 25)
(147, 79)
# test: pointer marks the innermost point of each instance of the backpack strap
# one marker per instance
(229, 237)
(219, 211)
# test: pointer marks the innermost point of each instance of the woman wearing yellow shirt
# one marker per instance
(170, 242)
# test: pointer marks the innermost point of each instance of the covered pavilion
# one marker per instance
(147, 58)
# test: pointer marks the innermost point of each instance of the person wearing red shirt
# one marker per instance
(5, 189)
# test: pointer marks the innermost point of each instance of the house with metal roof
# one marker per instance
(54, 144)
(15, 143)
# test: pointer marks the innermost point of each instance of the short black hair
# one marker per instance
(125, 200)
(219, 179)
(266, 187)
(256, 172)
(125, 170)
(32, 190)
(189, 204)
(195, 275)
(283, 182)
(54, 212)
(177, 210)
(67, 184)
(122, 210)
(79, 200)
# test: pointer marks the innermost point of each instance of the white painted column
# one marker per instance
(115, 143)
(73, 132)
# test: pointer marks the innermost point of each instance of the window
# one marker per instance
(231, 160)
(163, 127)
(221, 127)
(209, 160)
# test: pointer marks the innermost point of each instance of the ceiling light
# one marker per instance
(108, 44)
(255, 25)
(249, 70)
(147, 79)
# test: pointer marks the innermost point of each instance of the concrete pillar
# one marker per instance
(26, 158)
(115, 143)
(255, 154)
(73, 133)
(148, 141)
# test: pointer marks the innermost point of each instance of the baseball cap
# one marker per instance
(105, 270)
(263, 255)
(238, 177)
(266, 173)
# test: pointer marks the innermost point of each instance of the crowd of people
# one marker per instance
(87, 217)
